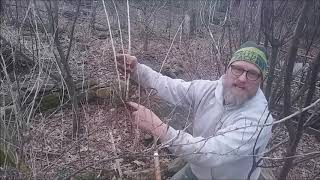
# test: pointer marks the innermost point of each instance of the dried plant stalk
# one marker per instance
(157, 165)
(117, 164)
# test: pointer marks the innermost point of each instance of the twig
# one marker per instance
(263, 125)
(115, 153)
(316, 175)
(91, 164)
(120, 32)
(256, 162)
(295, 156)
(137, 133)
(157, 165)
(111, 39)
(308, 157)
(129, 49)
(110, 159)
(129, 28)
(276, 146)
(72, 29)
(169, 50)
(26, 57)
(314, 113)
(295, 114)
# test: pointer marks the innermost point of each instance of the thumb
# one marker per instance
(120, 57)
(133, 106)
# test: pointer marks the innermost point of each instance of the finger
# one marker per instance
(134, 114)
(121, 70)
(135, 117)
(123, 54)
(120, 52)
(121, 57)
(133, 105)
(122, 65)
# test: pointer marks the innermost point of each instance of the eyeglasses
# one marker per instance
(250, 74)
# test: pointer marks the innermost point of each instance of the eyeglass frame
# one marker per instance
(246, 71)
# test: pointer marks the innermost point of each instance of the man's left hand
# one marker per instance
(147, 120)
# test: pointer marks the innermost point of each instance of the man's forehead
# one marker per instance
(246, 65)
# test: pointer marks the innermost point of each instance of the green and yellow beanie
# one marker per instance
(252, 53)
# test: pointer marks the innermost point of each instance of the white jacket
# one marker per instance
(224, 138)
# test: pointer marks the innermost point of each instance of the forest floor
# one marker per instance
(54, 154)
(108, 131)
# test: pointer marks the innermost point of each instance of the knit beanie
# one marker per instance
(252, 53)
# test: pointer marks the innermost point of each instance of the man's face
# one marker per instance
(241, 82)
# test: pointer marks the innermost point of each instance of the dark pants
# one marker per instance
(184, 174)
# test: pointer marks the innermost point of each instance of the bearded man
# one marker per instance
(228, 136)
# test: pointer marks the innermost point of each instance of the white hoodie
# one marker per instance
(224, 138)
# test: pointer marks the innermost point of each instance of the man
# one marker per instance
(228, 136)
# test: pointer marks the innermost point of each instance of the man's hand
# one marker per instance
(147, 120)
(126, 63)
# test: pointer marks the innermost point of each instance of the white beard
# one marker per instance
(231, 98)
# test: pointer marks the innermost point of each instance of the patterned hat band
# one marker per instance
(252, 55)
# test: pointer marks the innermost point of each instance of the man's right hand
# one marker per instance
(126, 63)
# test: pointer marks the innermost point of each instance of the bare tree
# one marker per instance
(63, 60)
(293, 141)
(276, 33)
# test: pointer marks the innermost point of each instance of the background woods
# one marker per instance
(62, 101)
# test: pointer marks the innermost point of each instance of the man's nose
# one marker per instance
(243, 76)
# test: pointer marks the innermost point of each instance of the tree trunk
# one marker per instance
(187, 26)
(145, 28)
(2, 3)
(267, 12)
(243, 13)
(273, 60)
(314, 75)
(169, 23)
(17, 11)
(296, 139)
(186, 23)
(287, 87)
(193, 23)
(254, 30)
(52, 14)
(230, 40)
(92, 22)
(64, 64)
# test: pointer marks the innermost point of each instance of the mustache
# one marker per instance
(230, 98)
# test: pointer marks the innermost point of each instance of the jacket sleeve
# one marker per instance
(229, 144)
(175, 91)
